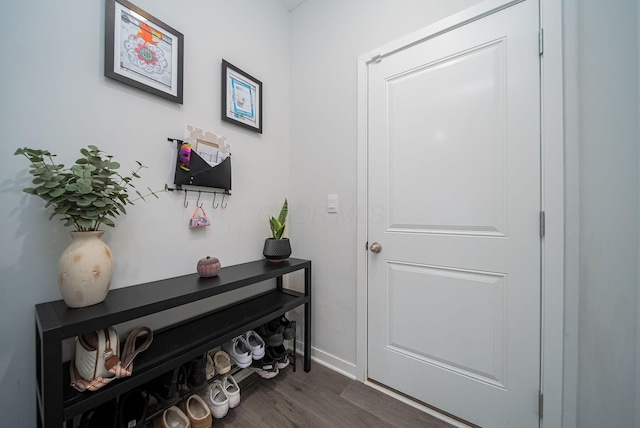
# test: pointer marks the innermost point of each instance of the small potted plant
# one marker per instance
(278, 248)
(86, 196)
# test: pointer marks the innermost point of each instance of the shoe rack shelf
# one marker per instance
(57, 401)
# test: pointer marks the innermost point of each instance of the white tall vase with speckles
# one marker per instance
(85, 270)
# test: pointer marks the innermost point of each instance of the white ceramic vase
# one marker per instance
(85, 270)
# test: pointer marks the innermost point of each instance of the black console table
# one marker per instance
(172, 346)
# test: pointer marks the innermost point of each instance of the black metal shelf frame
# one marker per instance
(172, 346)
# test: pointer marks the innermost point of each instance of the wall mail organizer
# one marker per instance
(193, 170)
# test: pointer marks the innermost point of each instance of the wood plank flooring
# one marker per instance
(320, 398)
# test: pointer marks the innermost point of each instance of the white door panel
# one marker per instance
(454, 199)
(461, 202)
(437, 294)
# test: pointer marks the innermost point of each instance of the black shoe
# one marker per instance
(165, 387)
(272, 333)
(196, 373)
(266, 367)
(103, 416)
(133, 409)
(278, 354)
(289, 331)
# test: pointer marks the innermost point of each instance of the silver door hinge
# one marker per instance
(376, 58)
(541, 41)
(542, 225)
(540, 404)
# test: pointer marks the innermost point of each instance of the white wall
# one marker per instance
(54, 95)
(607, 76)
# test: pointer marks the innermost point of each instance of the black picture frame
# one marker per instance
(241, 98)
(142, 51)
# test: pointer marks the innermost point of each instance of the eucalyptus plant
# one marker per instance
(278, 224)
(88, 194)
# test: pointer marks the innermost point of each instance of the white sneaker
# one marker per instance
(238, 349)
(217, 400)
(232, 390)
(256, 344)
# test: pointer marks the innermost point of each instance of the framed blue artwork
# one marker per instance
(241, 98)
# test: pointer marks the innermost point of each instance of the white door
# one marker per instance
(454, 202)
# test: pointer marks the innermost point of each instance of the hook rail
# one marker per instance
(224, 193)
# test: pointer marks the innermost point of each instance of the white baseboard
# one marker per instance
(330, 361)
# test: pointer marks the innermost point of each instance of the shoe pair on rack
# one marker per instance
(279, 354)
(275, 359)
(218, 362)
(243, 349)
(192, 413)
(276, 331)
(223, 394)
(191, 376)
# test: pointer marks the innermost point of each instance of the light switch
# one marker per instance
(332, 203)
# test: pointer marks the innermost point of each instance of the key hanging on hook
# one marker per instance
(213, 204)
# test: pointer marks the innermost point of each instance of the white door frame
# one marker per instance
(552, 198)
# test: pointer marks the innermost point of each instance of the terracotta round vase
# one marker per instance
(85, 270)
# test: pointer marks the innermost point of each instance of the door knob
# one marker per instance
(375, 247)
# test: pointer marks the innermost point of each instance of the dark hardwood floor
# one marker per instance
(320, 398)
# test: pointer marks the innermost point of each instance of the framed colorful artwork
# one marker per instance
(143, 51)
(241, 98)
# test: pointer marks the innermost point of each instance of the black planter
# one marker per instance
(277, 249)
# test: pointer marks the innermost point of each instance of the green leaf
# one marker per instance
(36, 170)
(84, 189)
(276, 227)
(48, 176)
(282, 218)
(83, 203)
(108, 222)
(57, 192)
(61, 210)
(42, 190)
